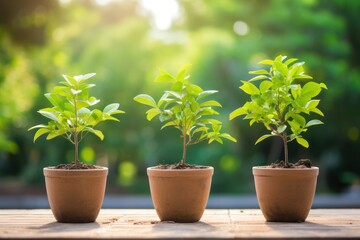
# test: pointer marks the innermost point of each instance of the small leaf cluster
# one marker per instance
(185, 106)
(70, 115)
(280, 100)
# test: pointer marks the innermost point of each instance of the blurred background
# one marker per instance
(126, 41)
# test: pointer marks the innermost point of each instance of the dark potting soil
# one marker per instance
(179, 166)
(302, 163)
(75, 166)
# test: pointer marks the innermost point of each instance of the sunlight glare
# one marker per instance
(163, 12)
(241, 28)
(103, 2)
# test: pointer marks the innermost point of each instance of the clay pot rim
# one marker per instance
(99, 168)
(153, 171)
(204, 168)
(52, 172)
(284, 169)
(282, 172)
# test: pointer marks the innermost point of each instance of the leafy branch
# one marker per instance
(281, 100)
(70, 115)
(184, 108)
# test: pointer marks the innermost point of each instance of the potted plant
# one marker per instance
(180, 191)
(76, 190)
(280, 102)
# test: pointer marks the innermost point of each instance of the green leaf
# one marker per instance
(207, 111)
(81, 78)
(218, 139)
(312, 104)
(92, 101)
(303, 77)
(49, 115)
(295, 126)
(97, 133)
(310, 90)
(75, 92)
(194, 106)
(237, 112)
(261, 71)
(280, 58)
(117, 112)
(263, 137)
(302, 142)
(53, 134)
(62, 91)
(151, 113)
(194, 89)
(200, 130)
(40, 132)
(55, 100)
(299, 119)
(317, 111)
(314, 122)
(267, 62)
(165, 77)
(249, 88)
(145, 99)
(38, 126)
(228, 136)
(281, 128)
(260, 77)
(171, 123)
(322, 85)
(265, 85)
(175, 94)
(182, 73)
(111, 108)
(107, 117)
(206, 93)
(84, 112)
(210, 103)
(177, 86)
(281, 67)
(70, 80)
(209, 121)
(290, 61)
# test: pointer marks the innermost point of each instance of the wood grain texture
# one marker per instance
(215, 224)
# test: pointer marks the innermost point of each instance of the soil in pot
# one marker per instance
(285, 194)
(77, 166)
(180, 194)
(75, 196)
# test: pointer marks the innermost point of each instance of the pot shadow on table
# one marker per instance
(197, 228)
(304, 227)
(66, 227)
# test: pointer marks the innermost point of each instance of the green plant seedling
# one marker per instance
(281, 101)
(184, 107)
(70, 115)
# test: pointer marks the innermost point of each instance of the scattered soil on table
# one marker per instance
(76, 166)
(112, 220)
(302, 163)
(151, 222)
(179, 166)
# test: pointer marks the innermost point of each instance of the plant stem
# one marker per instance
(76, 141)
(182, 162)
(286, 154)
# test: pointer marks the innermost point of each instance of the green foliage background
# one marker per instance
(42, 39)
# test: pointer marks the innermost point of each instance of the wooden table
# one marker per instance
(216, 224)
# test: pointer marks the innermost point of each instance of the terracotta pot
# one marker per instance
(180, 195)
(75, 196)
(285, 195)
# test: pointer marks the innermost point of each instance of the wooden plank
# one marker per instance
(216, 224)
